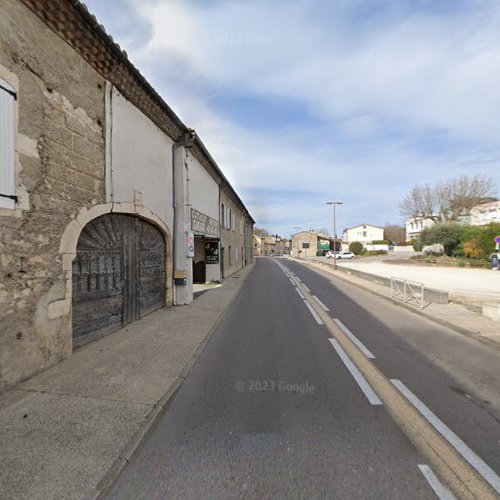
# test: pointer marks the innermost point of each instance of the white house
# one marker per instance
(364, 233)
(415, 225)
(485, 213)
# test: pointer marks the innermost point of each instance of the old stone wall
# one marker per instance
(60, 169)
(305, 237)
(234, 240)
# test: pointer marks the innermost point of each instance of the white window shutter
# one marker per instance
(7, 145)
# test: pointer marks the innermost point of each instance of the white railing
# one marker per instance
(408, 292)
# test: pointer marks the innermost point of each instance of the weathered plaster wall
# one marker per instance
(233, 240)
(139, 163)
(60, 167)
(203, 190)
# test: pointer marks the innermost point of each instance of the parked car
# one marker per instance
(345, 255)
(329, 254)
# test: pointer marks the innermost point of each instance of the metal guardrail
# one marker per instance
(408, 292)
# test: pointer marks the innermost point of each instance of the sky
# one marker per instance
(301, 102)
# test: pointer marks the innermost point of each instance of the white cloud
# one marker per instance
(433, 71)
(404, 98)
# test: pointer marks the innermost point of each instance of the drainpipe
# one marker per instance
(180, 272)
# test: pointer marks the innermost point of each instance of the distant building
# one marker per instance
(318, 244)
(364, 233)
(415, 225)
(485, 213)
(270, 245)
(258, 245)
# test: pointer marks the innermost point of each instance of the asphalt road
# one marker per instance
(457, 377)
(270, 409)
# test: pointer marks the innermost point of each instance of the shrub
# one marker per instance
(448, 234)
(472, 248)
(375, 252)
(381, 242)
(356, 247)
(484, 239)
(417, 245)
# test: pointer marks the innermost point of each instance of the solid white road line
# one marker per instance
(291, 281)
(313, 312)
(355, 340)
(488, 474)
(300, 293)
(320, 303)
(307, 289)
(363, 384)
(441, 491)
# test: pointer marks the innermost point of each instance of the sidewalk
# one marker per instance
(67, 432)
(480, 283)
(452, 315)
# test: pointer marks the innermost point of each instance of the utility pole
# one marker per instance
(334, 203)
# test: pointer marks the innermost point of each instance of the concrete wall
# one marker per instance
(403, 249)
(60, 169)
(374, 248)
(139, 159)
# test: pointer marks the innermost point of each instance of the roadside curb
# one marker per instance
(145, 429)
(463, 331)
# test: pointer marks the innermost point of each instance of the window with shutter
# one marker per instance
(7, 152)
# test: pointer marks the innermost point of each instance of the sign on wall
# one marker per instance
(211, 252)
(190, 244)
(203, 224)
(305, 245)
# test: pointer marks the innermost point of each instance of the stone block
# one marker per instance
(83, 181)
(88, 149)
(59, 308)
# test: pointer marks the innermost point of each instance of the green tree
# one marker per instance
(449, 234)
(356, 247)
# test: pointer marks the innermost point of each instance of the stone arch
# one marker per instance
(69, 241)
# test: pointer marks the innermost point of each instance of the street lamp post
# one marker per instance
(334, 203)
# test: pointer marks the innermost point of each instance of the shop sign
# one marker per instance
(203, 224)
(211, 252)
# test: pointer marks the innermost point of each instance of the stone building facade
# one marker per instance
(59, 164)
(318, 243)
(86, 246)
(236, 233)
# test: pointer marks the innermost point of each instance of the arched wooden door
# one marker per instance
(118, 275)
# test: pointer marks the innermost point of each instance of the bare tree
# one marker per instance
(462, 193)
(448, 199)
(393, 232)
(421, 201)
(258, 231)
(323, 230)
